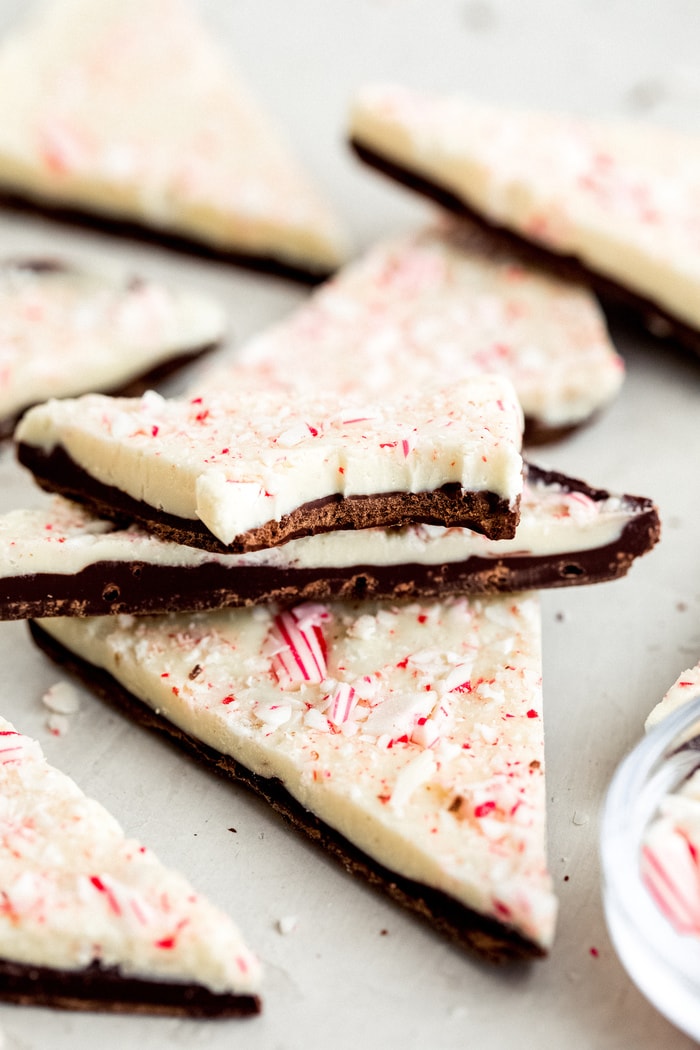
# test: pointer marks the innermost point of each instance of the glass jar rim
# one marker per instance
(656, 766)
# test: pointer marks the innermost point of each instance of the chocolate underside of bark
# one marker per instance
(491, 940)
(132, 230)
(131, 387)
(655, 317)
(139, 587)
(451, 505)
(108, 990)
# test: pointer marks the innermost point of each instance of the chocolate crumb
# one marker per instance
(233, 830)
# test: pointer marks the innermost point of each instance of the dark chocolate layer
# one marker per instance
(656, 318)
(133, 230)
(493, 941)
(145, 588)
(108, 990)
(451, 505)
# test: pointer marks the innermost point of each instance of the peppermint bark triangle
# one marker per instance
(66, 330)
(251, 470)
(613, 203)
(93, 920)
(126, 113)
(407, 739)
(61, 560)
(447, 300)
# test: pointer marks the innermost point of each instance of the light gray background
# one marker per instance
(609, 652)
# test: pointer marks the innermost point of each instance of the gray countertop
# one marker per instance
(610, 652)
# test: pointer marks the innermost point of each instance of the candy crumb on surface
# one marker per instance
(287, 924)
(61, 698)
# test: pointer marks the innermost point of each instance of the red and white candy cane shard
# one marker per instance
(674, 882)
(11, 747)
(342, 703)
(302, 655)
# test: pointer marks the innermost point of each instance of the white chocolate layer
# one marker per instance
(446, 301)
(622, 197)
(64, 537)
(685, 688)
(75, 890)
(65, 331)
(239, 461)
(415, 731)
(127, 108)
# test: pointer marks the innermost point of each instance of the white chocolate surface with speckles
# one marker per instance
(445, 301)
(75, 890)
(68, 330)
(415, 730)
(623, 197)
(127, 108)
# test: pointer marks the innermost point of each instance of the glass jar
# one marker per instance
(663, 963)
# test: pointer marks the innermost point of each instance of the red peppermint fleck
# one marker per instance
(166, 942)
(154, 430)
(594, 952)
(229, 700)
(422, 618)
(532, 713)
(384, 799)
(109, 894)
(388, 444)
(312, 430)
(465, 687)
(341, 470)
(484, 809)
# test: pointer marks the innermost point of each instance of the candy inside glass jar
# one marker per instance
(650, 854)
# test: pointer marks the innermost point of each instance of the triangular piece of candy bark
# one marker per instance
(65, 331)
(613, 202)
(406, 738)
(90, 919)
(449, 300)
(60, 560)
(254, 468)
(126, 111)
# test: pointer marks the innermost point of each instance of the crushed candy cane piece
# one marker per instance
(300, 654)
(342, 703)
(58, 724)
(61, 698)
(287, 924)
